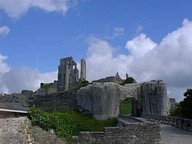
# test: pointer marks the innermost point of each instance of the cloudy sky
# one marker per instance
(148, 39)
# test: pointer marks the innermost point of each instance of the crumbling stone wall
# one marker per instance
(103, 99)
(132, 133)
(152, 99)
(16, 101)
(61, 101)
(115, 79)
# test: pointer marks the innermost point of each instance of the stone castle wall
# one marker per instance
(60, 101)
(139, 133)
(102, 100)
(14, 101)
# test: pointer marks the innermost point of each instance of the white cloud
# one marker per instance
(170, 60)
(15, 80)
(16, 8)
(3, 66)
(25, 78)
(140, 45)
(101, 61)
(4, 30)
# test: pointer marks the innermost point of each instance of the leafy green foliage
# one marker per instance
(184, 109)
(46, 85)
(83, 83)
(177, 111)
(67, 124)
(129, 80)
(126, 107)
(186, 105)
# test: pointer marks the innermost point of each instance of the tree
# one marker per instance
(184, 108)
(186, 104)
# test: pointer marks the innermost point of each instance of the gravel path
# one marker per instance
(172, 135)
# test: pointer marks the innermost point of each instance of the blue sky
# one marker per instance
(111, 35)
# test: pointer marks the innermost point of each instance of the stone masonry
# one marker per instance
(131, 133)
(60, 101)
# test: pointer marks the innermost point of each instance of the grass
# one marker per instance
(47, 85)
(67, 124)
(88, 123)
(126, 107)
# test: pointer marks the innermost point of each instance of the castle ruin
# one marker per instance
(68, 74)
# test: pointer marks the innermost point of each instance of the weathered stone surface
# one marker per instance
(41, 91)
(137, 133)
(83, 70)
(60, 101)
(153, 98)
(20, 131)
(52, 88)
(115, 79)
(101, 99)
(27, 92)
(14, 101)
(44, 91)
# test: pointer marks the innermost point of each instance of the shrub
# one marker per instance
(129, 80)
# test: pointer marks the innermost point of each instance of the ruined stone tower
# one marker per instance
(68, 74)
(83, 70)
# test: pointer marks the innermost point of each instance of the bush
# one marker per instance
(83, 83)
(62, 123)
(129, 80)
(40, 118)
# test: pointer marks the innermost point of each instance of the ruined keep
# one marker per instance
(68, 74)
